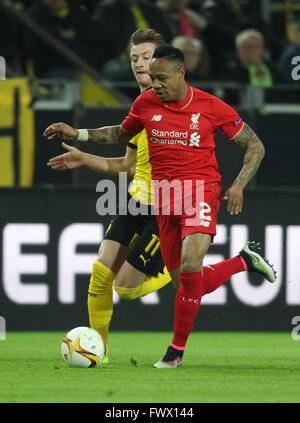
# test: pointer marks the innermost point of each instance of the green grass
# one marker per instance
(217, 368)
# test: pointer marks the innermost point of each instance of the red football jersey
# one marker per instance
(181, 135)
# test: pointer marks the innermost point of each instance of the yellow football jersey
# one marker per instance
(141, 188)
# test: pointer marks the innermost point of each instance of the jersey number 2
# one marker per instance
(205, 210)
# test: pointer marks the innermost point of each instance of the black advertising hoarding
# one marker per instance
(50, 238)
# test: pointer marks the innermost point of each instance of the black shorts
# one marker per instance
(140, 233)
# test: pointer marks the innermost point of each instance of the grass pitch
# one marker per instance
(217, 368)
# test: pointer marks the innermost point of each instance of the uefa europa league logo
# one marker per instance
(2, 68)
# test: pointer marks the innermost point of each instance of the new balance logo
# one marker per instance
(194, 140)
(156, 118)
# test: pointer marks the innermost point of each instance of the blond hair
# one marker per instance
(141, 36)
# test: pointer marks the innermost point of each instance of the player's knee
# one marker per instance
(191, 263)
(128, 293)
(102, 278)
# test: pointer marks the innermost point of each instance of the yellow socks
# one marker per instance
(151, 284)
(100, 298)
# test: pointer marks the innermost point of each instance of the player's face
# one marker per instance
(140, 56)
(167, 80)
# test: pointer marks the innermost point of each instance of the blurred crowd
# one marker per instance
(227, 40)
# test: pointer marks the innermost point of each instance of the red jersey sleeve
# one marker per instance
(226, 119)
(133, 123)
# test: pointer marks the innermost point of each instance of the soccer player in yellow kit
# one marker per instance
(129, 255)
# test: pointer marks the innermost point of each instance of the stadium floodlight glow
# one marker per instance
(2, 68)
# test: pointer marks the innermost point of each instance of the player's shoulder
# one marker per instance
(146, 101)
(201, 95)
(210, 102)
(149, 95)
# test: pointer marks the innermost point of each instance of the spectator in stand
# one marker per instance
(285, 65)
(227, 18)
(66, 21)
(183, 20)
(197, 62)
(116, 20)
(250, 65)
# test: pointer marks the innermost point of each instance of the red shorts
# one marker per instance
(173, 228)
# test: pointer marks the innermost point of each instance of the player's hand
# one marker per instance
(61, 131)
(70, 160)
(234, 197)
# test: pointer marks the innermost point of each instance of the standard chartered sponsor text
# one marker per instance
(169, 137)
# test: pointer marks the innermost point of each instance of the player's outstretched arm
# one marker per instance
(112, 166)
(73, 159)
(255, 151)
(105, 135)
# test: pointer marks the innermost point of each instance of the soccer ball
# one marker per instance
(83, 347)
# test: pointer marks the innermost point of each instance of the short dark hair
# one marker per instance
(170, 53)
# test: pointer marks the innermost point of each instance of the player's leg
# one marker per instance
(197, 281)
(144, 271)
(131, 283)
(111, 256)
(113, 251)
(188, 298)
(189, 295)
(196, 239)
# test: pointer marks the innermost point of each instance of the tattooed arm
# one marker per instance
(109, 135)
(255, 152)
(106, 135)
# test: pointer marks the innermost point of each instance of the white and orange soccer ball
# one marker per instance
(83, 347)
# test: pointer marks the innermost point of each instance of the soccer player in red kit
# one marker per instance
(180, 122)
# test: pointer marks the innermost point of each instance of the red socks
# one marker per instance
(217, 274)
(187, 303)
(193, 286)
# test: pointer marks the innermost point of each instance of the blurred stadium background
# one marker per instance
(64, 61)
